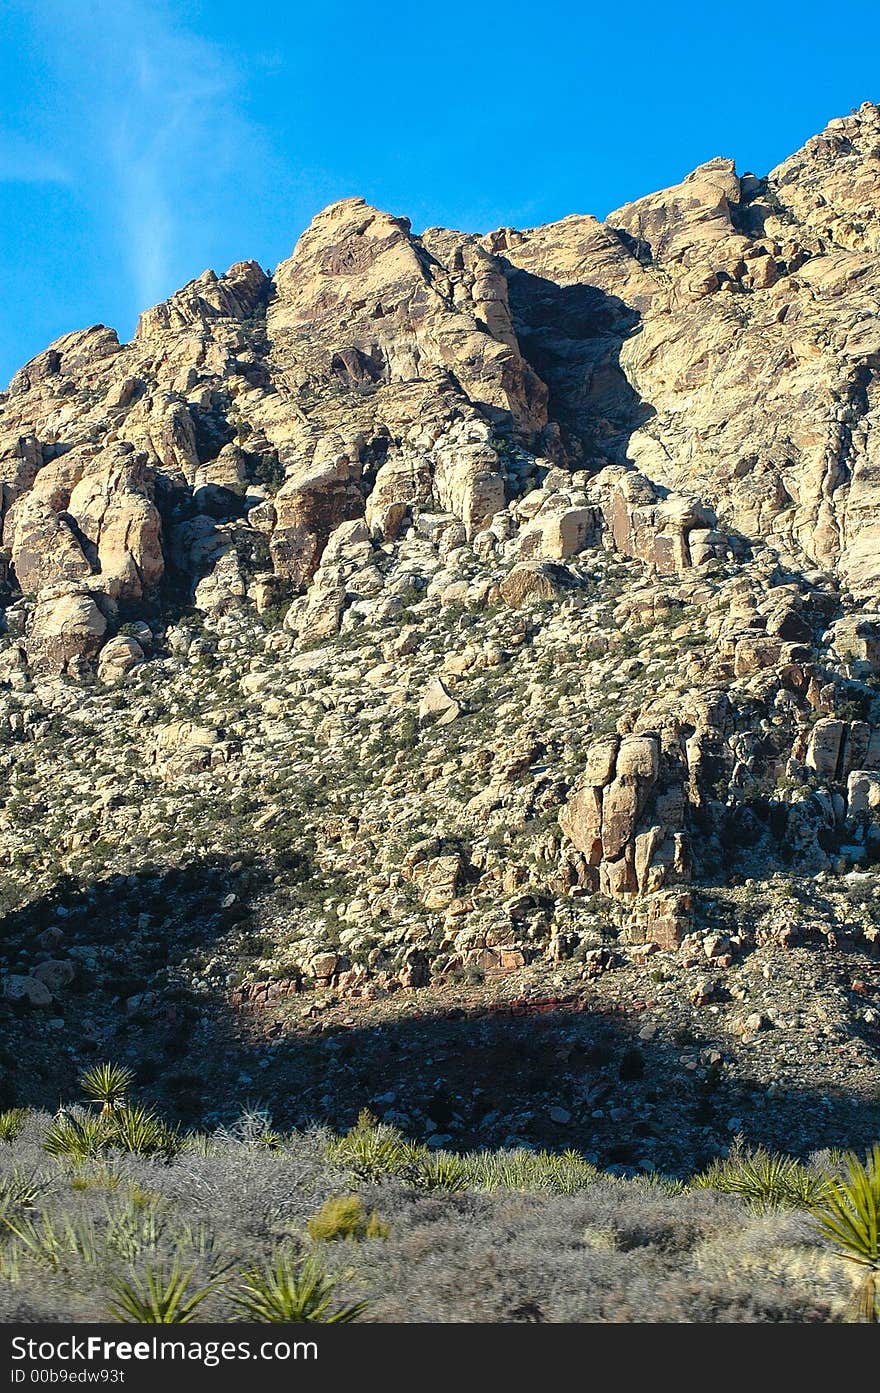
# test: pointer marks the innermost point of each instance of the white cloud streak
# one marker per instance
(158, 107)
(176, 120)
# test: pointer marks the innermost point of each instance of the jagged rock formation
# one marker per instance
(635, 462)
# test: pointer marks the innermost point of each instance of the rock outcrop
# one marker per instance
(595, 503)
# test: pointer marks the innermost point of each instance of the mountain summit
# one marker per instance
(492, 600)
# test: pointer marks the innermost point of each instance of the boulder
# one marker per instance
(55, 974)
(824, 751)
(438, 705)
(533, 581)
(66, 630)
(118, 657)
(28, 990)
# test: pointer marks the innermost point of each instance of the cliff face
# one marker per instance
(626, 471)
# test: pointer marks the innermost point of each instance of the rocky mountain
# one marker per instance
(445, 604)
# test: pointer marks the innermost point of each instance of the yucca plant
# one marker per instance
(107, 1084)
(202, 1241)
(372, 1150)
(657, 1183)
(17, 1192)
(53, 1242)
(131, 1229)
(438, 1172)
(134, 1128)
(199, 1143)
(161, 1296)
(563, 1174)
(290, 1289)
(11, 1123)
(76, 1135)
(103, 1176)
(764, 1179)
(849, 1217)
(10, 1264)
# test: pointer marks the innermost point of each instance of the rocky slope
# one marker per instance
(444, 606)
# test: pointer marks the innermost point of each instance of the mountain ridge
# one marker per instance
(494, 603)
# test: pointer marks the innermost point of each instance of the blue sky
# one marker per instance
(141, 141)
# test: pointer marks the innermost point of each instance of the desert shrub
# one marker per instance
(252, 1128)
(246, 1195)
(609, 1253)
(344, 1216)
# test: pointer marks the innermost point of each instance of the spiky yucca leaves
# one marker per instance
(764, 1179)
(75, 1135)
(78, 1136)
(565, 1173)
(848, 1215)
(372, 1150)
(438, 1171)
(290, 1289)
(107, 1084)
(199, 1143)
(11, 1123)
(161, 1296)
(132, 1228)
(17, 1192)
(134, 1128)
(55, 1243)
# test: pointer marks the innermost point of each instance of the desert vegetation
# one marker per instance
(113, 1214)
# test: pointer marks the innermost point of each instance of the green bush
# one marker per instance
(344, 1216)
